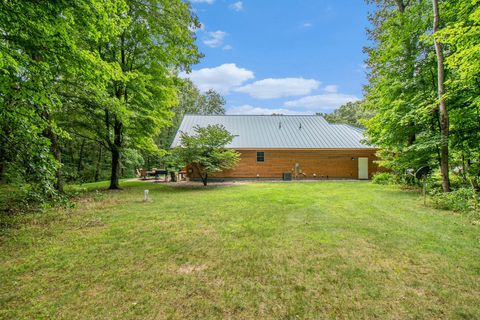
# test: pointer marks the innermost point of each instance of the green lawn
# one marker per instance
(261, 250)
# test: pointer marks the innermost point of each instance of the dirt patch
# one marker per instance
(188, 269)
(196, 184)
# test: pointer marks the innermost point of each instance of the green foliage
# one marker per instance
(401, 91)
(87, 83)
(205, 151)
(352, 113)
(462, 36)
(385, 178)
(173, 161)
(191, 101)
(136, 105)
(41, 50)
(461, 200)
(402, 88)
(131, 160)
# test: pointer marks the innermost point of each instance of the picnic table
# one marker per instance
(156, 173)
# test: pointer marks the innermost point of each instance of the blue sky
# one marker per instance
(284, 56)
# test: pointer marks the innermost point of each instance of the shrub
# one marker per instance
(384, 178)
(460, 200)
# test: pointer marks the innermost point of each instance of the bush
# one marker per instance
(384, 178)
(460, 200)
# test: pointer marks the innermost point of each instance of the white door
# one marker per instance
(363, 168)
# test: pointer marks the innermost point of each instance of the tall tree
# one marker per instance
(158, 42)
(136, 104)
(402, 85)
(41, 45)
(191, 101)
(352, 113)
(461, 36)
(420, 63)
(443, 113)
(213, 103)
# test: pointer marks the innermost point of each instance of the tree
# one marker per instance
(401, 90)
(136, 103)
(41, 46)
(191, 101)
(213, 103)
(443, 113)
(419, 64)
(173, 164)
(205, 151)
(352, 113)
(461, 36)
(157, 41)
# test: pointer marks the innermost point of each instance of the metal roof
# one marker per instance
(278, 132)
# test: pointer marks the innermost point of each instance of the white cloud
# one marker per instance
(222, 78)
(322, 102)
(203, 1)
(227, 47)
(248, 109)
(237, 6)
(307, 25)
(331, 89)
(278, 88)
(214, 39)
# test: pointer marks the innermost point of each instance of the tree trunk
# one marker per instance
(57, 154)
(205, 179)
(80, 157)
(115, 149)
(98, 165)
(443, 113)
(473, 177)
(2, 159)
(401, 6)
(114, 177)
(464, 168)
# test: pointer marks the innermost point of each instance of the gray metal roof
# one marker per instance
(279, 131)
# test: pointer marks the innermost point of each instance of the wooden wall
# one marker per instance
(323, 163)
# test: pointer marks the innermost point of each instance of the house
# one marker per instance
(304, 146)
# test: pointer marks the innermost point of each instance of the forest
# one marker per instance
(423, 91)
(90, 90)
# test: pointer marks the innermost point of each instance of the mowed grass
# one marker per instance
(261, 250)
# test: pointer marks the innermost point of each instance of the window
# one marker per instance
(260, 156)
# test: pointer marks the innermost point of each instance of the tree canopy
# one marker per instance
(409, 123)
(89, 75)
(205, 151)
(191, 101)
(352, 113)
